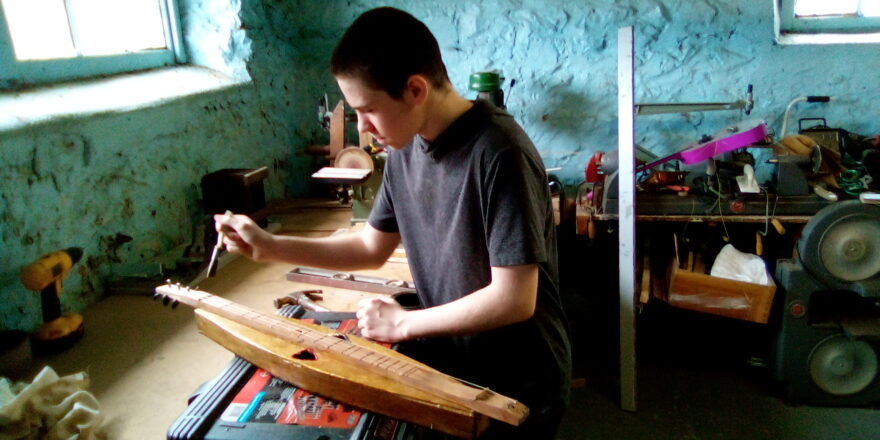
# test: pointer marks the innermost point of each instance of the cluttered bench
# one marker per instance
(827, 188)
(811, 279)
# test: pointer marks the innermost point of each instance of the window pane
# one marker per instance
(870, 8)
(39, 29)
(102, 27)
(813, 8)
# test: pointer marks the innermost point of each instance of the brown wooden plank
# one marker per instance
(699, 264)
(337, 130)
(645, 290)
(720, 296)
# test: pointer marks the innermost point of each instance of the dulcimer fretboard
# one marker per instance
(398, 368)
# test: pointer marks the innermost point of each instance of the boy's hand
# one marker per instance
(381, 319)
(244, 236)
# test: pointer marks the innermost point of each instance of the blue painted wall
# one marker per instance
(563, 56)
(91, 182)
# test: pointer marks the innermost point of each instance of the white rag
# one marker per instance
(735, 265)
(49, 408)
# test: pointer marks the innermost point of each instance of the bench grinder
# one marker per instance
(828, 345)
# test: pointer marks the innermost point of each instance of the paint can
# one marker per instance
(488, 87)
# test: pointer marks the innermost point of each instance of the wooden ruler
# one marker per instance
(367, 355)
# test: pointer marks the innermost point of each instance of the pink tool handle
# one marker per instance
(714, 147)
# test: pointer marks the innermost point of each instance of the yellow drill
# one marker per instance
(59, 331)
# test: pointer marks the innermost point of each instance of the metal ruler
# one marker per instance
(350, 281)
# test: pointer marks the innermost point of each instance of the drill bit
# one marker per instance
(215, 255)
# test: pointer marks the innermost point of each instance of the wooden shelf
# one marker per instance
(708, 218)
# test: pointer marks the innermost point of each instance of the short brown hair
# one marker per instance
(384, 47)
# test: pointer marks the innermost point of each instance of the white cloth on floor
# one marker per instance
(49, 408)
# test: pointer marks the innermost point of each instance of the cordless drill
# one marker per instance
(58, 331)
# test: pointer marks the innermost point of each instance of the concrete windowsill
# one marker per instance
(827, 38)
(121, 93)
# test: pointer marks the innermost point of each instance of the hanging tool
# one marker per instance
(215, 255)
(58, 331)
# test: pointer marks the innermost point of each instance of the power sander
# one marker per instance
(58, 331)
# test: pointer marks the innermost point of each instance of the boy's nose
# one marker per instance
(364, 126)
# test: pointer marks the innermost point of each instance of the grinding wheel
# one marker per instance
(353, 157)
(842, 366)
(840, 245)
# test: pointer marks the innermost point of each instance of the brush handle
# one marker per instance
(221, 234)
(218, 247)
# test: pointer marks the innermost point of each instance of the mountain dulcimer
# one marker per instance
(347, 368)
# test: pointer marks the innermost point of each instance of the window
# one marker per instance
(827, 21)
(54, 40)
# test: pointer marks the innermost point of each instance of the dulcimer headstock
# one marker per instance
(172, 294)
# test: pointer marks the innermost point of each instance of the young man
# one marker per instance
(466, 192)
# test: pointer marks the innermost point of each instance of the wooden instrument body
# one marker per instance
(364, 373)
(342, 381)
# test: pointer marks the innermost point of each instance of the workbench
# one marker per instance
(655, 220)
(144, 360)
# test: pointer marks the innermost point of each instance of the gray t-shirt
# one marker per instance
(477, 197)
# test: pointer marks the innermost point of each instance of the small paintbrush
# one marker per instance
(215, 255)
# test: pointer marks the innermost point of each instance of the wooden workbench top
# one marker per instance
(145, 360)
(242, 280)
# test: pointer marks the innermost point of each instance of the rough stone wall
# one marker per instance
(563, 56)
(215, 36)
(125, 186)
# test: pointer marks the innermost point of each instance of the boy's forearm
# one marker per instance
(496, 305)
(338, 252)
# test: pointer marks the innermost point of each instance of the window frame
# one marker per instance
(822, 30)
(15, 73)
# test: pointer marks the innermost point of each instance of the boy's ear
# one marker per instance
(417, 88)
